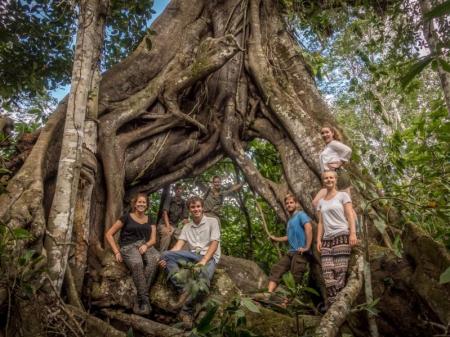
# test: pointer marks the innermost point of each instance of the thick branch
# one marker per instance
(146, 326)
(269, 190)
(339, 310)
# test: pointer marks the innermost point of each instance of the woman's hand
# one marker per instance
(319, 246)
(162, 263)
(353, 240)
(119, 257)
(143, 249)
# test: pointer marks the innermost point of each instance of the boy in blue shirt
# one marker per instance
(299, 238)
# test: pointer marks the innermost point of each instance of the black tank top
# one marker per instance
(133, 231)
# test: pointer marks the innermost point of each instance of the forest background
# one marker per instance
(373, 65)
(382, 66)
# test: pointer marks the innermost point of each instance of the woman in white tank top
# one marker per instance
(336, 234)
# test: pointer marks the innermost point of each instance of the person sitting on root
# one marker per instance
(214, 196)
(332, 158)
(336, 234)
(136, 248)
(202, 234)
(299, 238)
(175, 214)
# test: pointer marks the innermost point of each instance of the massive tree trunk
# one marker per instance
(219, 74)
(91, 21)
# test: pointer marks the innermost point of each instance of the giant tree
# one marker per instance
(216, 75)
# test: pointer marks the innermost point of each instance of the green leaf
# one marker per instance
(439, 10)
(415, 70)
(444, 64)
(20, 234)
(398, 246)
(445, 276)
(248, 303)
(311, 291)
(380, 225)
(130, 332)
(25, 258)
(288, 280)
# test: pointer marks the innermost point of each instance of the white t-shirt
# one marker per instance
(334, 151)
(333, 216)
(199, 236)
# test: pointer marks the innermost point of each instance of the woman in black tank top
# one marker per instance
(136, 249)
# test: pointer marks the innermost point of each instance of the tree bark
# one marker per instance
(432, 38)
(91, 20)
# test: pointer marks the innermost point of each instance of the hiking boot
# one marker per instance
(186, 319)
(175, 306)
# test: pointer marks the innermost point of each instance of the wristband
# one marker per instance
(116, 253)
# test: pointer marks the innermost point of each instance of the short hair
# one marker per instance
(289, 196)
(194, 199)
(135, 198)
(336, 134)
(216, 177)
(178, 186)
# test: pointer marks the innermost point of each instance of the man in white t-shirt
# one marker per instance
(202, 234)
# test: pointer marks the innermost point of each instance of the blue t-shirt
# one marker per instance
(296, 230)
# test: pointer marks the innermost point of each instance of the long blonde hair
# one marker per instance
(336, 134)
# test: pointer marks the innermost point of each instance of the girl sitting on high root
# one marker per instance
(136, 249)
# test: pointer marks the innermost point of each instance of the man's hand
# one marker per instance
(168, 230)
(301, 250)
(202, 262)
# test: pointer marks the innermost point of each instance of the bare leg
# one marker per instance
(272, 286)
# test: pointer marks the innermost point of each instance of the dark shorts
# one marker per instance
(296, 263)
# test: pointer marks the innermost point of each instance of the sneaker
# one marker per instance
(186, 319)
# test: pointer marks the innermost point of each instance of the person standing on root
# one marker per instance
(175, 214)
(299, 238)
(214, 196)
(202, 234)
(332, 158)
(136, 249)
(336, 234)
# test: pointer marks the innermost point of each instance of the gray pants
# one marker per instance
(165, 238)
(143, 267)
